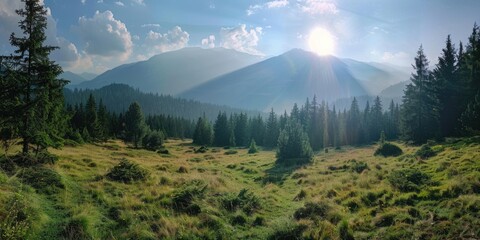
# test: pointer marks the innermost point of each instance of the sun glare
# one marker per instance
(321, 42)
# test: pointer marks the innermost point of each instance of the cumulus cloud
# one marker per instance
(241, 39)
(315, 7)
(119, 4)
(139, 2)
(209, 42)
(252, 9)
(174, 39)
(83, 1)
(105, 36)
(150, 25)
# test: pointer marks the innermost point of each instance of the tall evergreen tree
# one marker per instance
(293, 145)
(420, 105)
(272, 130)
(376, 120)
(135, 127)
(353, 127)
(91, 118)
(39, 110)
(240, 129)
(221, 131)
(203, 132)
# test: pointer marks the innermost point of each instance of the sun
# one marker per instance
(321, 42)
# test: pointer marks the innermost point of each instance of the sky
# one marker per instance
(97, 35)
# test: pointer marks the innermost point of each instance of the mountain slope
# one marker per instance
(176, 71)
(117, 98)
(73, 78)
(396, 90)
(280, 81)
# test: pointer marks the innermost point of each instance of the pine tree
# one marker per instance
(353, 127)
(420, 106)
(203, 132)
(470, 119)
(91, 118)
(240, 129)
(448, 89)
(221, 131)
(102, 120)
(376, 119)
(135, 128)
(257, 129)
(39, 111)
(293, 145)
(272, 130)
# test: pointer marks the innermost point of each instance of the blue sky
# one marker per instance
(96, 35)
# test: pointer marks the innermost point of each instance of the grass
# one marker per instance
(342, 193)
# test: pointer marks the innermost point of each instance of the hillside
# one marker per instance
(396, 90)
(280, 81)
(117, 98)
(174, 72)
(344, 190)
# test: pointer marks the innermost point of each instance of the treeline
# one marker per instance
(118, 97)
(92, 122)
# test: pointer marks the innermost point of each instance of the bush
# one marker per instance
(293, 145)
(388, 150)
(344, 232)
(313, 210)
(407, 180)
(253, 147)
(182, 169)
(44, 180)
(300, 196)
(239, 219)
(76, 228)
(358, 167)
(259, 221)
(425, 152)
(7, 165)
(15, 219)
(127, 172)
(245, 200)
(202, 149)
(153, 140)
(288, 231)
(184, 196)
(230, 152)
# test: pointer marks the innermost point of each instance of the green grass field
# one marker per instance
(190, 195)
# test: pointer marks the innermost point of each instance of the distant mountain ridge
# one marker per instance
(176, 71)
(280, 81)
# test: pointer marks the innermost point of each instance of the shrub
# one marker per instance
(15, 219)
(7, 165)
(301, 195)
(388, 150)
(245, 200)
(288, 231)
(259, 221)
(184, 196)
(182, 169)
(202, 149)
(44, 180)
(153, 140)
(344, 232)
(27, 160)
(230, 152)
(76, 228)
(253, 147)
(239, 219)
(358, 167)
(293, 145)
(425, 152)
(127, 172)
(407, 180)
(163, 151)
(313, 210)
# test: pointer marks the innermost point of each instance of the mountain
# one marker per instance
(88, 76)
(395, 90)
(176, 71)
(375, 77)
(280, 81)
(73, 78)
(118, 97)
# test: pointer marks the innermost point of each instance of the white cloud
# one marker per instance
(119, 4)
(241, 39)
(83, 1)
(139, 2)
(252, 9)
(152, 25)
(277, 4)
(315, 7)
(209, 42)
(174, 39)
(105, 36)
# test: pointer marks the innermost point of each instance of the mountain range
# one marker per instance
(227, 77)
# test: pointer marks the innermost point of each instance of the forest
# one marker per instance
(73, 168)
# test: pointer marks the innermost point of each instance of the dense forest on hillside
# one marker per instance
(117, 98)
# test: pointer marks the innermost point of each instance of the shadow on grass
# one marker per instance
(278, 173)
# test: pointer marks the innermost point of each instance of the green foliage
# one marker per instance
(388, 150)
(135, 127)
(44, 180)
(358, 166)
(470, 118)
(253, 147)
(239, 219)
(15, 219)
(231, 152)
(287, 231)
(408, 180)
(153, 140)
(183, 197)
(127, 172)
(203, 132)
(293, 145)
(221, 131)
(425, 152)
(344, 232)
(246, 200)
(314, 210)
(76, 228)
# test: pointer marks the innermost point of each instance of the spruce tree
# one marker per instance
(135, 128)
(39, 111)
(293, 145)
(203, 132)
(272, 130)
(91, 118)
(376, 119)
(420, 105)
(240, 129)
(353, 127)
(222, 131)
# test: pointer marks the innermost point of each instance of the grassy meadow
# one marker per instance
(230, 194)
